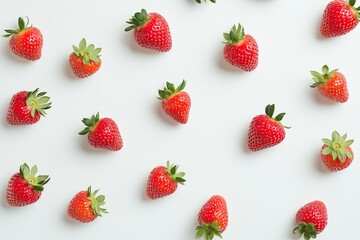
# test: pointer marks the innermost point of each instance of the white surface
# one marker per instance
(263, 190)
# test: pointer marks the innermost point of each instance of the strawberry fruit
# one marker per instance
(85, 206)
(26, 41)
(163, 181)
(102, 133)
(26, 108)
(311, 219)
(151, 31)
(212, 218)
(331, 84)
(85, 59)
(175, 102)
(241, 50)
(339, 18)
(25, 187)
(265, 130)
(336, 153)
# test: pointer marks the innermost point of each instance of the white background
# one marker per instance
(263, 190)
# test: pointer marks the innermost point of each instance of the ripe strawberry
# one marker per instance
(241, 50)
(85, 60)
(86, 206)
(212, 218)
(266, 131)
(26, 41)
(27, 107)
(311, 219)
(336, 153)
(150, 31)
(163, 181)
(102, 133)
(339, 18)
(175, 102)
(331, 85)
(25, 188)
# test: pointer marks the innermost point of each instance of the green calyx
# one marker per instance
(22, 26)
(208, 231)
(90, 123)
(138, 20)
(235, 35)
(170, 90)
(270, 109)
(87, 53)
(355, 9)
(173, 174)
(38, 102)
(199, 1)
(321, 78)
(37, 182)
(337, 147)
(96, 202)
(306, 229)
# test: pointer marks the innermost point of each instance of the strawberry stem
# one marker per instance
(337, 147)
(138, 20)
(306, 229)
(22, 26)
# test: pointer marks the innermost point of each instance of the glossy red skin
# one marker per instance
(264, 132)
(19, 113)
(20, 193)
(178, 106)
(154, 34)
(27, 44)
(82, 70)
(336, 165)
(244, 54)
(215, 209)
(160, 184)
(80, 208)
(338, 19)
(106, 135)
(335, 88)
(313, 212)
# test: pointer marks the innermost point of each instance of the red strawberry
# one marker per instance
(163, 181)
(27, 107)
(26, 41)
(331, 85)
(85, 60)
(150, 31)
(175, 102)
(339, 18)
(86, 206)
(266, 131)
(241, 50)
(102, 133)
(25, 188)
(212, 218)
(336, 153)
(311, 219)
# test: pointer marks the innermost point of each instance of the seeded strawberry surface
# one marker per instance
(314, 212)
(27, 44)
(106, 135)
(80, 208)
(338, 19)
(178, 106)
(159, 184)
(82, 70)
(20, 193)
(19, 113)
(336, 88)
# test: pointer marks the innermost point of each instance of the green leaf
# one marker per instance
(326, 141)
(82, 44)
(269, 110)
(348, 143)
(327, 150)
(335, 136)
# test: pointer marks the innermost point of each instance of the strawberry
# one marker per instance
(311, 219)
(25, 188)
(331, 84)
(27, 107)
(175, 102)
(266, 131)
(150, 31)
(241, 50)
(336, 153)
(163, 181)
(339, 18)
(85, 206)
(85, 60)
(26, 41)
(102, 133)
(212, 218)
